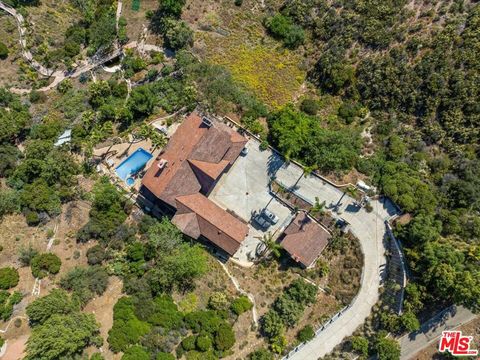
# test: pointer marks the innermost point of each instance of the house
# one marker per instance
(198, 217)
(304, 239)
(182, 176)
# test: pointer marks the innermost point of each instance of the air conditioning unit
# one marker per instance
(162, 163)
(207, 122)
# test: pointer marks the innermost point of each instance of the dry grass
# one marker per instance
(11, 69)
(137, 21)
(345, 270)
(102, 308)
(48, 23)
(235, 38)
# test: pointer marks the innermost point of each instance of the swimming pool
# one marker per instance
(133, 164)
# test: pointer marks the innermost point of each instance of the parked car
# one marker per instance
(262, 221)
(244, 151)
(270, 216)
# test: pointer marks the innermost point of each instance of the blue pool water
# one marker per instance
(133, 164)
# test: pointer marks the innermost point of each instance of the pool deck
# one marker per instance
(117, 155)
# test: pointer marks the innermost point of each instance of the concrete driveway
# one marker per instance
(244, 190)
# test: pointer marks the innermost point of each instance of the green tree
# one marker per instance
(44, 264)
(57, 302)
(360, 345)
(62, 336)
(388, 349)
(3, 51)
(8, 278)
(225, 337)
(136, 352)
(306, 333)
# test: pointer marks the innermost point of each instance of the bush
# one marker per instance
(306, 334)
(164, 356)
(26, 255)
(178, 34)
(8, 278)
(3, 51)
(388, 349)
(282, 28)
(95, 255)
(32, 218)
(261, 354)
(218, 301)
(204, 343)
(135, 352)
(44, 264)
(189, 343)
(97, 356)
(360, 345)
(241, 304)
(310, 106)
(225, 337)
(85, 282)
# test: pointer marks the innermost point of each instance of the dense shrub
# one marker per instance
(44, 264)
(57, 302)
(306, 334)
(95, 255)
(224, 337)
(310, 106)
(241, 304)
(8, 278)
(85, 283)
(3, 51)
(136, 352)
(283, 28)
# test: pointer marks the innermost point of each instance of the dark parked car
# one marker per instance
(261, 221)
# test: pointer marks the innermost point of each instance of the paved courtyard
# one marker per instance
(244, 190)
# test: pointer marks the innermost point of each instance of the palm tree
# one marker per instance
(318, 208)
(270, 244)
(351, 191)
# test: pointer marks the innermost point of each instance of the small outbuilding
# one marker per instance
(304, 239)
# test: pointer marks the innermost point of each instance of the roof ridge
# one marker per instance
(211, 223)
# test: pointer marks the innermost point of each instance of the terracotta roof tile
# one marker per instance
(217, 225)
(304, 239)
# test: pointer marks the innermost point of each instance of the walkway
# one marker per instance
(430, 331)
(86, 65)
(243, 292)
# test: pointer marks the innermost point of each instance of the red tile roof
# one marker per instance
(209, 149)
(305, 239)
(197, 215)
(194, 158)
